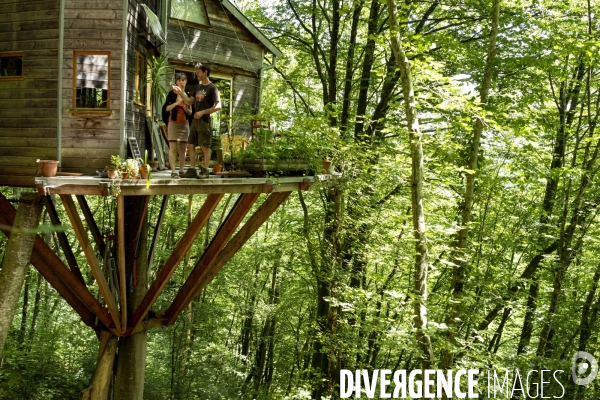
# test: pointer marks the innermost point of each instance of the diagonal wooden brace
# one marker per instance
(84, 241)
(235, 217)
(175, 258)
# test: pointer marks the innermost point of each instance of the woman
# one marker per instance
(178, 128)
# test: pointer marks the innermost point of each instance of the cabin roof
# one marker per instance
(253, 29)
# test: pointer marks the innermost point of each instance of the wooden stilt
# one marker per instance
(159, 221)
(235, 217)
(129, 382)
(121, 257)
(62, 239)
(91, 223)
(241, 237)
(175, 258)
(104, 368)
(92, 259)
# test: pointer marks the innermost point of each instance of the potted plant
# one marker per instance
(145, 167)
(132, 168)
(113, 169)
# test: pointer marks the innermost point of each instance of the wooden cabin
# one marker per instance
(73, 73)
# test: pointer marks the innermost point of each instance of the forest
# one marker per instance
(461, 233)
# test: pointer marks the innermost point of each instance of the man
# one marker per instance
(206, 101)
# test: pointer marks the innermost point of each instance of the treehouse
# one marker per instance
(75, 89)
(76, 76)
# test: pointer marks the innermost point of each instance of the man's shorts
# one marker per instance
(200, 133)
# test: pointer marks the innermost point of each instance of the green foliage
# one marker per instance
(344, 253)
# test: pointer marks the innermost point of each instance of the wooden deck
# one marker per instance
(162, 184)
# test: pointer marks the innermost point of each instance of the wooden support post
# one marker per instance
(92, 259)
(235, 217)
(241, 237)
(121, 257)
(101, 380)
(16, 258)
(91, 223)
(58, 275)
(159, 221)
(175, 258)
(129, 382)
(62, 239)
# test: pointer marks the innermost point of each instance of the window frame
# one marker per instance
(96, 53)
(191, 23)
(140, 94)
(12, 54)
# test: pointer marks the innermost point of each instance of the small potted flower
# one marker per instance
(145, 167)
(114, 168)
(132, 168)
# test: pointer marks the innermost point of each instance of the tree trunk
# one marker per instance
(25, 307)
(466, 208)
(131, 361)
(16, 258)
(527, 329)
(418, 212)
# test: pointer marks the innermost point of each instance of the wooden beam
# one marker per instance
(241, 237)
(235, 217)
(63, 240)
(58, 275)
(161, 217)
(92, 259)
(91, 223)
(121, 257)
(175, 258)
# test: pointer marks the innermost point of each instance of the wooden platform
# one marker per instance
(162, 184)
(110, 313)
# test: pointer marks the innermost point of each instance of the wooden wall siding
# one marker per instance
(88, 141)
(28, 106)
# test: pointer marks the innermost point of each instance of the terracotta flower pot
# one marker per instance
(326, 166)
(144, 172)
(217, 168)
(153, 165)
(111, 172)
(48, 167)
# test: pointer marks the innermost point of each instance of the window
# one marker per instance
(11, 66)
(91, 81)
(190, 10)
(141, 78)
